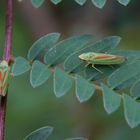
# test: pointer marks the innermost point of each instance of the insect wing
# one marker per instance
(5, 82)
(4, 76)
(107, 59)
(103, 59)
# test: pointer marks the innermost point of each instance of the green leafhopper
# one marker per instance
(4, 76)
(101, 58)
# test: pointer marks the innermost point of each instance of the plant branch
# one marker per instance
(9, 23)
(7, 57)
(2, 116)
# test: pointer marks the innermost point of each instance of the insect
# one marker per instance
(4, 76)
(101, 59)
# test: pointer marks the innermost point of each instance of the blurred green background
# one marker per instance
(28, 108)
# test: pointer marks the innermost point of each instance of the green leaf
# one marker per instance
(63, 49)
(123, 2)
(92, 74)
(78, 138)
(128, 83)
(135, 89)
(131, 111)
(37, 3)
(39, 74)
(123, 74)
(84, 89)
(56, 1)
(41, 44)
(20, 66)
(81, 2)
(74, 64)
(99, 3)
(40, 134)
(111, 99)
(62, 82)
(130, 54)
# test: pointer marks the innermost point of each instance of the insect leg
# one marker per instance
(97, 69)
(111, 66)
(88, 63)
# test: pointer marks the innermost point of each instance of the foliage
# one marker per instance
(97, 3)
(117, 83)
(43, 134)
(40, 134)
(111, 100)
(61, 59)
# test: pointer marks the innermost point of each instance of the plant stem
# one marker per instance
(2, 116)
(7, 57)
(9, 23)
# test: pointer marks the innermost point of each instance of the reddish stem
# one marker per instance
(2, 116)
(9, 23)
(7, 57)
